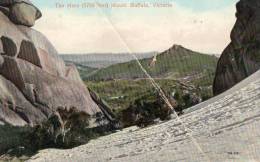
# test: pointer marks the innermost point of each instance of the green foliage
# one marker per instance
(124, 85)
(126, 95)
(144, 111)
(64, 129)
(11, 137)
(178, 64)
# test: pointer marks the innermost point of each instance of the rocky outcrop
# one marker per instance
(34, 80)
(242, 56)
(21, 12)
(106, 109)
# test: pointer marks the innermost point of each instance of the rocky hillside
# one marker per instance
(241, 58)
(217, 130)
(176, 62)
(35, 83)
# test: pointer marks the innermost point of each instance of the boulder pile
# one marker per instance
(34, 81)
(21, 12)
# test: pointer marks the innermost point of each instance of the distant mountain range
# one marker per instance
(177, 62)
(103, 60)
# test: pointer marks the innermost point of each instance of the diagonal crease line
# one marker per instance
(154, 84)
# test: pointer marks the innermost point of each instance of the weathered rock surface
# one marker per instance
(225, 128)
(34, 80)
(242, 56)
(15, 109)
(21, 12)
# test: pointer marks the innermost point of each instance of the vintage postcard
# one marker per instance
(129, 80)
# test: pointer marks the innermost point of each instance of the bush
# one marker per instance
(145, 110)
(64, 129)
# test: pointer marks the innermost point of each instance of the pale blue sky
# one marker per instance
(202, 5)
(201, 25)
(195, 5)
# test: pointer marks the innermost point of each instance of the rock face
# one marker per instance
(242, 56)
(21, 12)
(34, 81)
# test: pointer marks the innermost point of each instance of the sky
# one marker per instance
(200, 25)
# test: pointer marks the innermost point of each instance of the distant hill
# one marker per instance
(84, 70)
(185, 75)
(103, 60)
(176, 62)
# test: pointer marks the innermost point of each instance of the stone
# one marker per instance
(5, 10)
(105, 108)
(28, 52)
(56, 92)
(49, 56)
(36, 80)
(21, 12)
(72, 73)
(9, 30)
(9, 46)
(11, 71)
(1, 48)
(1, 61)
(15, 109)
(50, 64)
(50, 61)
(241, 58)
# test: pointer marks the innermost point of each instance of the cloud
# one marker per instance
(140, 30)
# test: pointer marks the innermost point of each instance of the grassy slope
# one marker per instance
(120, 94)
(121, 84)
(176, 63)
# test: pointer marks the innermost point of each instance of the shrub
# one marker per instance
(145, 110)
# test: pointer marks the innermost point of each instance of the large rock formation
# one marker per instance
(34, 80)
(21, 12)
(242, 56)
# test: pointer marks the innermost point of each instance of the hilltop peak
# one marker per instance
(176, 46)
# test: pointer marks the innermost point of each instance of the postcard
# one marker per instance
(129, 80)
